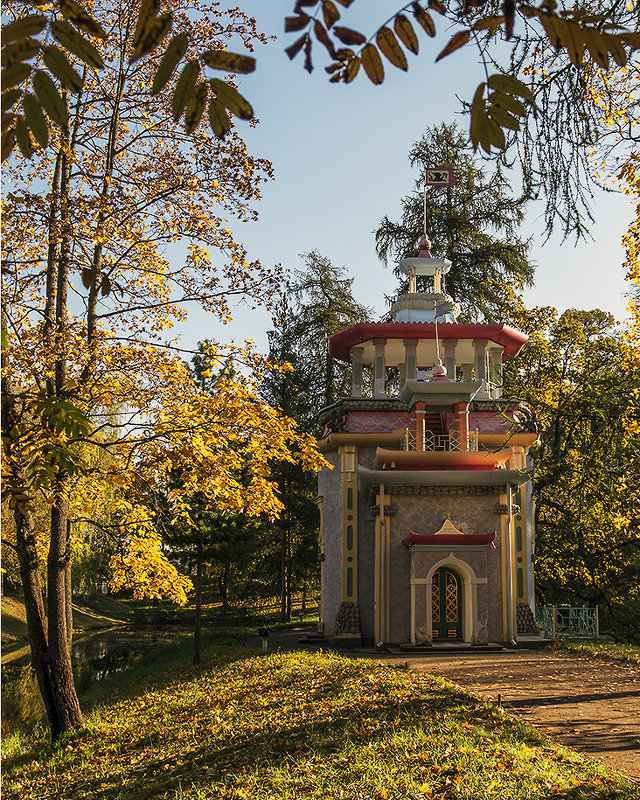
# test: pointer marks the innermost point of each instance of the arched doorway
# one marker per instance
(446, 604)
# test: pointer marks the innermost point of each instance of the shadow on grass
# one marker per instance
(144, 671)
(370, 722)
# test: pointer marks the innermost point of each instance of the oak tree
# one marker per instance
(538, 62)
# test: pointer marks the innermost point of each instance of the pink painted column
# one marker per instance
(462, 424)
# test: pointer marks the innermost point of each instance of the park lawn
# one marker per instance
(610, 651)
(301, 725)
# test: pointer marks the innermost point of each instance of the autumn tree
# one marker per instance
(536, 101)
(533, 104)
(110, 233)
(574, 373)
(473, 223)
(212, 477)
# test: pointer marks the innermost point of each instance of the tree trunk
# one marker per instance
(283, 574)
(49, 639)
(60, 623)
(34, 606)
(198, 620)
(288, 567)
(223, 585)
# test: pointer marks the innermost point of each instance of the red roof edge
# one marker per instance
(448, 538)
(340, 343)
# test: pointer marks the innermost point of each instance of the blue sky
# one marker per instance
(340, 158)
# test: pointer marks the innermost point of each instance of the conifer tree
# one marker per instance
(474, 224)
(318, 302)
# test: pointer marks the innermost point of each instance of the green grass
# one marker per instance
(14, 620)
(86, 617)
(299, 725)
(629, 653)
(262, 614)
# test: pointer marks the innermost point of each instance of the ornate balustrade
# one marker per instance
(443, 442)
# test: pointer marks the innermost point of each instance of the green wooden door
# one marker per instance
(446, 605)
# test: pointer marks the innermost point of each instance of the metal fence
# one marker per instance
(568, 622)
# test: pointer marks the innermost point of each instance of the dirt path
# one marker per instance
(589, 704)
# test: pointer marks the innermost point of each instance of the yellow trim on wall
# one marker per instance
(349, 463)
(335, 440)
(388, 575)
(376, 582)
(503, 568)
(520, 545)
(382, 584)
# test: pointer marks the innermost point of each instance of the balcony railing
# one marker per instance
(443, 442)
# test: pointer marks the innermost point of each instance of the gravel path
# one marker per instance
(588, 704)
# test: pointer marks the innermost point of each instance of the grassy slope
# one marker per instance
(14, 624)
(602, 649)
(301, 725)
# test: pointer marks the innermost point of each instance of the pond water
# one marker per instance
(95, 656)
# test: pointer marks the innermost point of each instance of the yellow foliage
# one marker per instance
(103, 258)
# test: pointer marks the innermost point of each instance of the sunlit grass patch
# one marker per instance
(603, 649)
(304, 725)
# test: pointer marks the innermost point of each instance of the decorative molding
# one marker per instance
(428, 491)
(447, 528)
(503, 509)
(347, 620)
(360, 404)
(336, 421)
(389, 510)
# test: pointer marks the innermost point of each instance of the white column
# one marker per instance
(495, 370)
(410, 359)
(450, 357)
(356, 371)
(480, 350)
(379, 368)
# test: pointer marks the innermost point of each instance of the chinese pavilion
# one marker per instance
(426, 517)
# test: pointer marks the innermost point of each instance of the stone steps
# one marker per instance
(441, 649)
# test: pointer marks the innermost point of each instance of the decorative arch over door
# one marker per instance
(446, 604)
(472, 629)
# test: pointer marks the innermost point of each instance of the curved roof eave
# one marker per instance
(443, 477)
(340, 343)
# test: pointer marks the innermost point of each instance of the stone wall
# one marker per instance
(424, 511)
(330, 489)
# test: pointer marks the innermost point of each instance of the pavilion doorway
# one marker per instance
(446, 605)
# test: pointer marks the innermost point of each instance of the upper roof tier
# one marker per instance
(425, 266)
(364, 334)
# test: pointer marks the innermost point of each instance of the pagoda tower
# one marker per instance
(426, 517)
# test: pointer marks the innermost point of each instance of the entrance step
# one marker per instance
(441, 649)
(533, 642)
